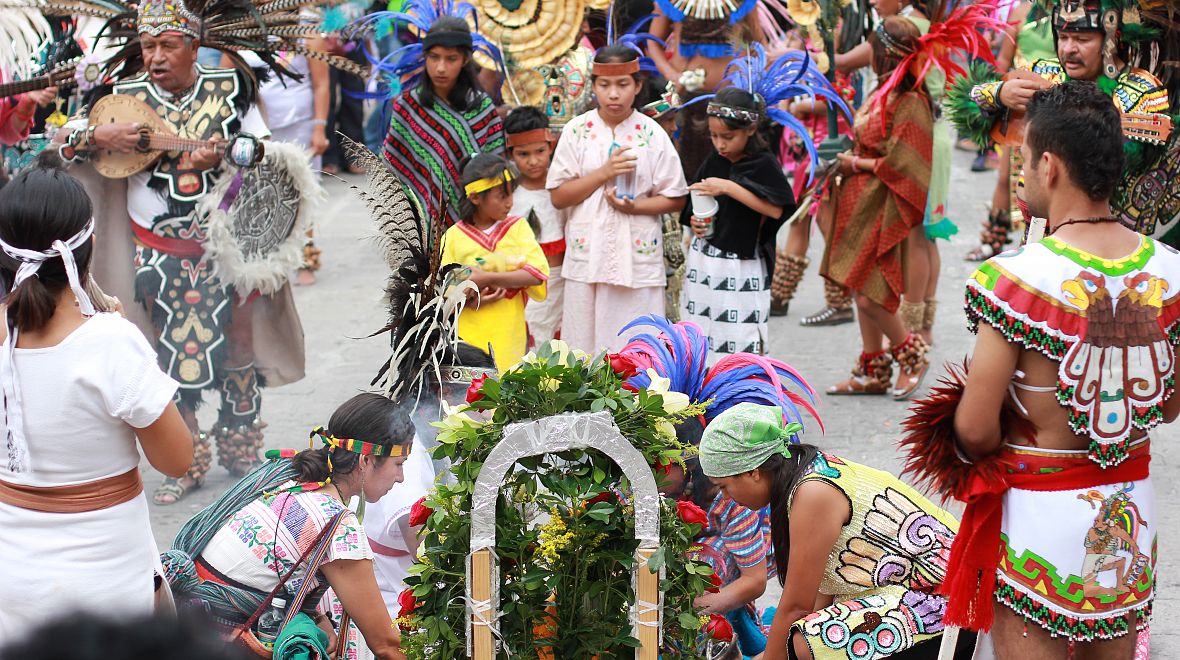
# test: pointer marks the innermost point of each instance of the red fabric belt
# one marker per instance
(553, 247)
(971, 571)
(173, 246)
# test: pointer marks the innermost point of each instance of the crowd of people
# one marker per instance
(150, 241)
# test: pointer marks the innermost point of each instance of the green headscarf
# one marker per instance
(743, 437)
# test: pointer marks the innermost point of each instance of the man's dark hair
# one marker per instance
(1079, 124)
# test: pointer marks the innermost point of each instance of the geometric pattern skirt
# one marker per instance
(729, 297)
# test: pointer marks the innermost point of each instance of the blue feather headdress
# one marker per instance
(634, 39)
(407, 64)
(680, 353)
(791, 75)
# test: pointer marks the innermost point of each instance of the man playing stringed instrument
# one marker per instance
(1094, 42)
(205, 330)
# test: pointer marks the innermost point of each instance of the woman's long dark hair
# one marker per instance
(784, 475)
(467, 89)
(366, 417)
(39, 206)
(902, 31)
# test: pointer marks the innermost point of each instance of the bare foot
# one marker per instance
(304, 277)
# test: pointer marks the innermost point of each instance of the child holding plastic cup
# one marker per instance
(615, 170)
(740, 198)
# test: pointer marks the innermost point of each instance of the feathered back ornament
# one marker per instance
(792, 75)
(407, 64)
(680, 353)
(960, 38)
(425, 296)
(263, 26)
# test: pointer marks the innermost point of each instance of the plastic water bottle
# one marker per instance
(271, 622)
(624, 183)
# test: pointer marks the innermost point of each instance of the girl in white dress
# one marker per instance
(78, 387)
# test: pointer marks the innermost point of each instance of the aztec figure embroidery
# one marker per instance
(1117, 373)
(1115, 530)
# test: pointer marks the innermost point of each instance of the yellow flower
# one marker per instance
(674, 402)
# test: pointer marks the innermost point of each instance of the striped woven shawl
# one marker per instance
(426, 146)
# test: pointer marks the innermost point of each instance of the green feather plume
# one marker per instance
(963, 111)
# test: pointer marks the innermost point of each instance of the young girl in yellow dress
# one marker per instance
(507, 263)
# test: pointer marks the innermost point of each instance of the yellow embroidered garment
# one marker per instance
(509, 246)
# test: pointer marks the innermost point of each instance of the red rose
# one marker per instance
(406, 602)
(473, 393)
(691, 513)
(718, 627)
(716, 580)
(604, 496)
(419, 513)
(666, 468)
(622, 364)
(631, 388)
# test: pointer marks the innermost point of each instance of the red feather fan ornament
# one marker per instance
(961, 36)
(932, 456)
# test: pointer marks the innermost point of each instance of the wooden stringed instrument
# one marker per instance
(1142, 126)
(155, 138)
(60, 75)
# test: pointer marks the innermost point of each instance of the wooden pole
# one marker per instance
(481, 594)
(647, 597)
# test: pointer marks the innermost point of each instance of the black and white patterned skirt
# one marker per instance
(729, 297)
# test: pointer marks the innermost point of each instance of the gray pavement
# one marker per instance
(344, 307)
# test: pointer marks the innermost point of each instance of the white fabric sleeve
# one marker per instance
(139, 391)
(349, 541)
(254, 123)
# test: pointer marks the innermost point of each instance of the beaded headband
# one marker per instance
(730, 112)
(529, 137)
(487, 183)
(464, 375)
(891, 45)
(615, 68)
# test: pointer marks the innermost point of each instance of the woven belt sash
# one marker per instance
(79, 498)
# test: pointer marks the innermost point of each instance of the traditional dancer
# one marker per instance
(443, 115)
(1091, 293)
(1030, 38)
(280, 537)
(207, 329)
(616, 170)
(1090, 47)
(736, 542)
(843, 537)
(729, 267)
(79, 386)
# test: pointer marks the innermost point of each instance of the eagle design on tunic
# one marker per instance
(1121, 363)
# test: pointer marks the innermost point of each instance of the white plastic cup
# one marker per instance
(704, 209)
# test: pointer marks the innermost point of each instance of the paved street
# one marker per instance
(343, 308)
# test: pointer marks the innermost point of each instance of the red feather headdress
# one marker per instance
(963, 31)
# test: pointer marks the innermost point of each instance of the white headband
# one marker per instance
(30, 263)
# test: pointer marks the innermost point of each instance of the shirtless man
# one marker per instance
(1092, 293)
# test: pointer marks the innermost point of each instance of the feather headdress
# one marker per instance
(425, 296)
(680, 353)
(25, 33)
(960, 38)
(263, 26)
(407, 63)
(792, 75)
(634, 38)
